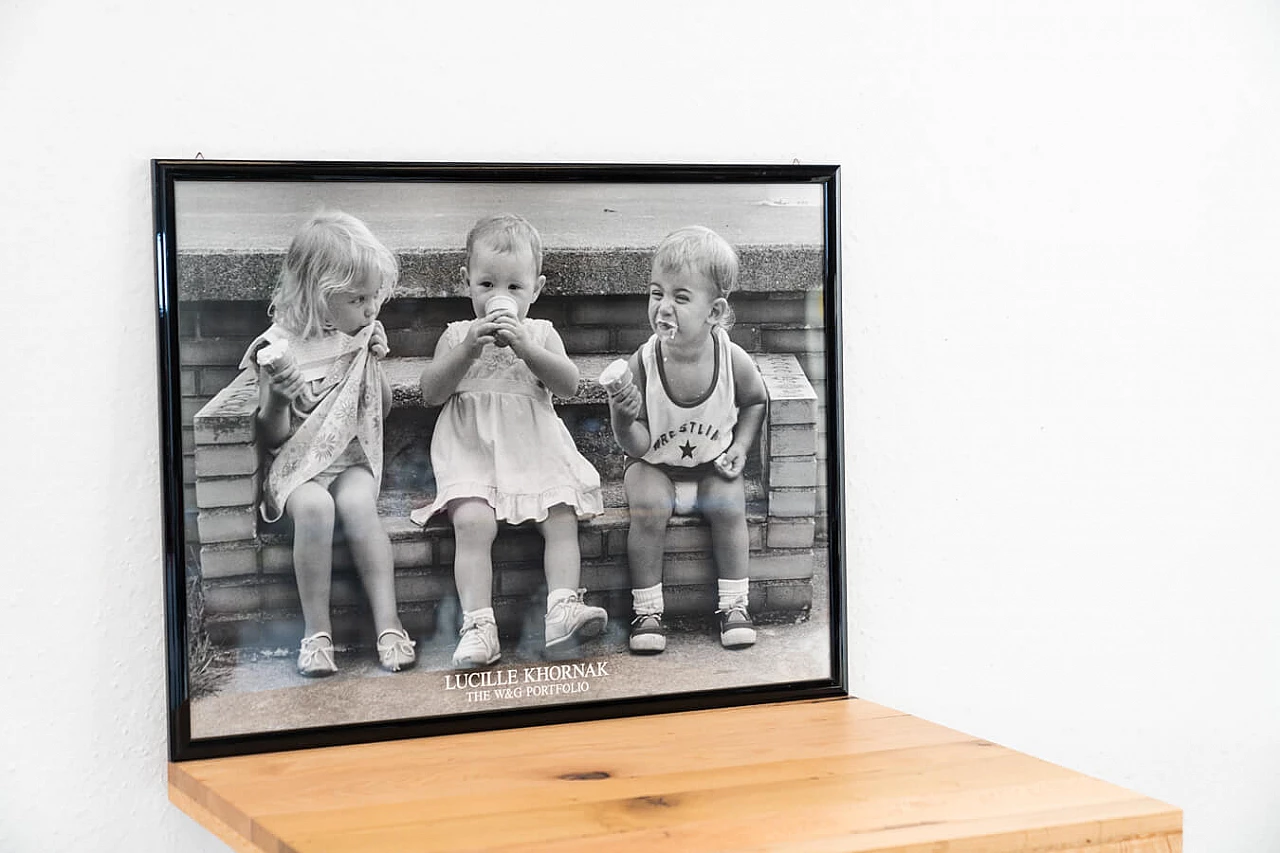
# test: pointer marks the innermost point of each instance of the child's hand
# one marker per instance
(378, 341)
(480, 332)
(285, 381)
(625, 404)
(730, 463)
(510, 332)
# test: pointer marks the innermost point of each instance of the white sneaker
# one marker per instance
(570, 620)
(479, 644)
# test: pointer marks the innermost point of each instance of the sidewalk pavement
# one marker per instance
(241, 216)
(266, 694)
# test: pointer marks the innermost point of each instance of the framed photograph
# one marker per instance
(461, 447)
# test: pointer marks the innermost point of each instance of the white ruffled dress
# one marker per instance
(499, 438)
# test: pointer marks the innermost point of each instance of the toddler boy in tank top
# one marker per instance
(686, 422)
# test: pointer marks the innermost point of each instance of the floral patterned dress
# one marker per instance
(336, 423)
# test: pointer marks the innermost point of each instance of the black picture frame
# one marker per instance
(221, 228)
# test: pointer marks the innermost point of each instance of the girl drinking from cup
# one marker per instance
(500, 452)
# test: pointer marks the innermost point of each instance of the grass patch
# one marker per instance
(207, 666)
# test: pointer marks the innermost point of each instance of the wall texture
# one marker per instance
(1060, 224)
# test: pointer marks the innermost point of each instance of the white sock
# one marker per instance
(733, 591)
(478, 615)
(648, 601)
(558, 595)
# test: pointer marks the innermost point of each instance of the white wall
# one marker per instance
(1060, 230)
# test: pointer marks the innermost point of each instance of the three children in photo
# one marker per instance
(685, 410)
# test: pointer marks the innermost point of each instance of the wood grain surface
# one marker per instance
(810, 777)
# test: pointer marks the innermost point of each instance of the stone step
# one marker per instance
(403, 375)
(765, 268)
(227, 417)
(599, 238)
(416, 547)
(245, 587)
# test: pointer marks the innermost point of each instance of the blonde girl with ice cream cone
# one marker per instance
(322, 402)
(686, 417)
(499, 451)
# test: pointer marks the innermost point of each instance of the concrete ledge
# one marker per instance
(403, 375)
(230, 275)
(228, 417)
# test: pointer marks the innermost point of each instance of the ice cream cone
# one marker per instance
(615, 377)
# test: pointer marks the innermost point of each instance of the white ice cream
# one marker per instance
(616, 376)
(272, 354)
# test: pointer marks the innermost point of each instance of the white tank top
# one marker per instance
(685, 435)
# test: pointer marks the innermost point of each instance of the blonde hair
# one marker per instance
(702, 250)
(504, 233)
(332, 252)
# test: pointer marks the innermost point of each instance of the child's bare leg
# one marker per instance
(560, 556)
(723, 503)
(569, 619)
(474, 529)
(355, 500)
(310, 508)
(650, 498)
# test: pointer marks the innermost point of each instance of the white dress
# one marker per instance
(499, 438)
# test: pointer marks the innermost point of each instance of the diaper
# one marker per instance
(686, 496)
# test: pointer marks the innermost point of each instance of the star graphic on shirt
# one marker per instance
(686, 450)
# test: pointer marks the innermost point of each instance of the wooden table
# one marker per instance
(831, 775)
